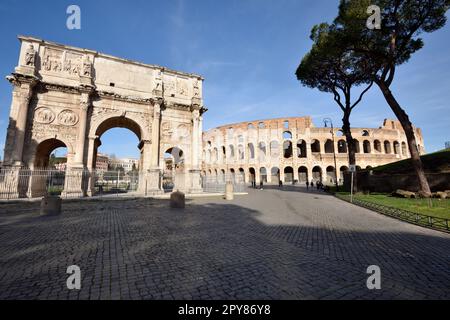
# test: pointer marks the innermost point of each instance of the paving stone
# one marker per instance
(271, 244)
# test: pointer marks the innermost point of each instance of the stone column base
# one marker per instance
(73, 183)
(196, 184)
(149, 183)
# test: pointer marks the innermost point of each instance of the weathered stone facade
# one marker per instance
(290, 149)
(67, 96)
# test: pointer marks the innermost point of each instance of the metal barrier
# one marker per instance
(26, 183)
(213, 184)
(436, 223)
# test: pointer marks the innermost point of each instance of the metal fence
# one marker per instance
(213, 184)
(27, 183)
(436, 223)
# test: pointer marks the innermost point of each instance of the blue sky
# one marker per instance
(247, 50)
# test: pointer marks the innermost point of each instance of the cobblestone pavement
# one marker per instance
(270, 244)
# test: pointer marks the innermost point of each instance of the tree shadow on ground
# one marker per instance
(142, 249)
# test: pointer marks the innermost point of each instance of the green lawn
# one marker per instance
(439, 209)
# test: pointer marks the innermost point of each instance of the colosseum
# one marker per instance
(294, 150)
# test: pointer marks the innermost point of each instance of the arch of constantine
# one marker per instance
(68, 97)
(290, 149)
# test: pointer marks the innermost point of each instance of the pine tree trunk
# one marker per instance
(424, 188)
(349, 138)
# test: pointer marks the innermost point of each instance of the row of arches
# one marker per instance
(287, 174)
(274, 150)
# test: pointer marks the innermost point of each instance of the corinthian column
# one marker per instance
(194, 172)
(84, 106)
(23, 91)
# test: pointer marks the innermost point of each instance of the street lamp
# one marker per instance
(325, 121)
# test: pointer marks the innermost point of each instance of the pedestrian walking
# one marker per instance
(307, 185)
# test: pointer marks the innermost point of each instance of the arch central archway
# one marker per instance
(118, 176)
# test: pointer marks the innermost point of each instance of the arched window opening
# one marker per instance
(287, 149)
(301, 149)
(366, 146)
(303, 174)
(262, 151)
(329, 147)
(377, 146)
(275, 174)
(315, 146)
(287, 135)
(404, 150)
(274, 149)
(317, 173)
(241, 175)
(342, 170)
(331, 175)
(263, 174)
(251, 151)
(396, 147)
(232, 154)
(288, 175)
(387, 147)
(241, 153)
(342, 146)
(357, 146)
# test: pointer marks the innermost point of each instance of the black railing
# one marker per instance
(419, 219)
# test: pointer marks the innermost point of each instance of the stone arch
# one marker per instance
(241, 152)
(43, 151)
(275, 174)
(301, 149)
(404, 149)
(366, 146)
(251, 151)
(263, 174)
(175, 177)
(241, 175)
(39, 183)
(252, 174)
(288, 174)
(262, 151)
(387, 147)
(315, 146)
(396, 147)
(317, 173)
(357, 146)
(103, 124)
(329, 146)
(274, 149)
(342, 170)
(331, 174)
(302, 174)
(377, 146)
(231, 153)
(287, 135)
(287, 149)
(342, 146)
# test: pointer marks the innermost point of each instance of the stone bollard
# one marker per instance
(50, 206)
(229, 194)
(177, 200)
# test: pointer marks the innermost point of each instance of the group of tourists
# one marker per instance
(261, 185)
(319, 185)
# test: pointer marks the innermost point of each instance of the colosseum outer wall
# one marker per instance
(289, 149)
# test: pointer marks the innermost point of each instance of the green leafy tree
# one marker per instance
(378, 53)
(329, 67)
